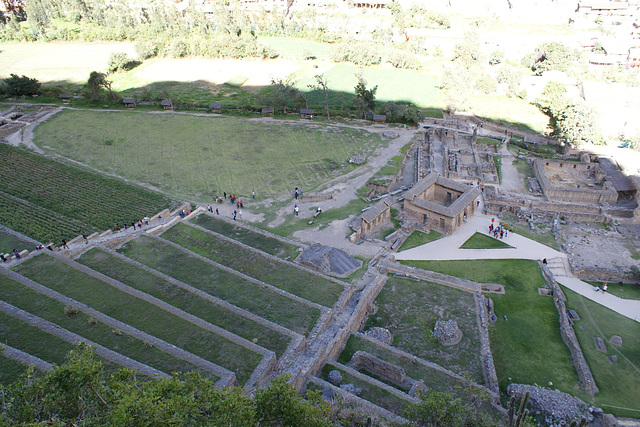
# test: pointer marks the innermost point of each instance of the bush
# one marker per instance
(70, 310)
(146, 49)
(21, 86)
(485, 84)
(359, 53)
(119, 61)
(400, 59)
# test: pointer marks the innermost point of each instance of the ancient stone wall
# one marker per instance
(587, 381)
(389, 371)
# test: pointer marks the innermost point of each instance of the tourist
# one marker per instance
(217, 211)
(295, 209)
(64, 244)
(234, 215)
(146, 220)
(4, 259)
(604, 287)
(133, 224)
(16, 254)
(86, 241)
(597, 289)
(253, 195)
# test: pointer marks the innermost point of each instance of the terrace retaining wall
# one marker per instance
(587, 381)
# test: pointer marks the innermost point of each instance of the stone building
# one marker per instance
(574, 182)
(440, 203)
(372, 219)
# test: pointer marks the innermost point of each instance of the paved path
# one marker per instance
(448, 248)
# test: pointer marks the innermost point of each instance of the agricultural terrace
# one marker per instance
(282, 275)
(171, 293)
(410, 309)
(47, 308)
(60, 193)
(200, 157)
(187, 267)
(140, 314)
(525, 341)
(9, 242)
(238, 231)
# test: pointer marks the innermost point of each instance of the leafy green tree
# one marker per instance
(97, 83)
(322, 84)
(511, 78)
(120, 61)
(467, 54)
(21, 86)
(281, 89)
(553, 56)
(577, 124)
(365, 98)
(456, 86)
(438, 409)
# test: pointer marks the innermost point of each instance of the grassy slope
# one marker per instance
(527, 348)
(201, 157)
(482, 241)
(619, 383)
(419, 238)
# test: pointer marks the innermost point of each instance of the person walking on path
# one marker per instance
(253, 195)
(234, 215)
(17, 254)
(217, 211)
(86, 241)
(64, 244)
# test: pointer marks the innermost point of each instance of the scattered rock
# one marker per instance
(335, 377)
(390, 134)
(351, 389)
(380, 334)
(327, 395)
(600, 344)
(616, 340)
(573, 314)
(613, 359)
(558, 407)
(357, 160)
(447, 332)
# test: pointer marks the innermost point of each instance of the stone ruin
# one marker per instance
(381, 334)
(329, 260)
(357, 160)
(558, 407)
(447, 332)
(616, 340)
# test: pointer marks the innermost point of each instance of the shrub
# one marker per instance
(359, 53)
(92, 320)
(70, 310)
(400, 59)
(146, 49)
(21, 86)
(485, 84)
(119, 61)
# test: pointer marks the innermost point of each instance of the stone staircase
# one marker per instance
(559, 266)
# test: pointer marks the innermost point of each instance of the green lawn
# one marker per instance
(482, 241)
(279, 274)
(213, 313)
(626, 290)
(293, 48)
(84, 325)
(9, 242)
(234, 289)
(619, 383)
(140, 314)
(527, 347)
(419, 238)
(410, 309)
(270, 245)
(197, 158)
(10, 370)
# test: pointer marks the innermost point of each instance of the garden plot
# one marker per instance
(410, 309)
(88, 327)
(141, 314)
(259, 240)
(94, 200)
(259, 300)
(160, 288)
(280, 274)
(197, 157)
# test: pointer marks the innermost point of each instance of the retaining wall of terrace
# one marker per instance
(587, 381)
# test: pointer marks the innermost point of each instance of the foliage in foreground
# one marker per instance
(79, 392)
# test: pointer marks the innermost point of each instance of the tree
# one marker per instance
(365, 98)
(456, 86)
(322, 84)
(511, 78)
(577, 124)
(282, 88)
(553, 56)
(96, 83)
(21, 86)
(467, 53)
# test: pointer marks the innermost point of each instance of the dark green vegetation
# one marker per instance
(11, 370)
(282, 275)
(79, 389)
(206, 310)
(527, 347)
(410, 309)
(619, 383)
(234, 289)
(9, 242)
(85, 201)
(87, 327)
(270, 245)
(482, 241)
(199, 158)
(419, 238)
(140, 314)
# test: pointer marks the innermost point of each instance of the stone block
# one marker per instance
(600, 344)
(616, 340)
(335, 377)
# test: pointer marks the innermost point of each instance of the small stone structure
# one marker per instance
(335, 377)
(215, 108)
(556, 405)
(306, 113)
(328, 260)
(379, 367)
(267, 112)
(616, 340)
(167, 104)
(372, 219)
(358, 159)
(447, 332)
(439, 203)
(381, 334)
(600, 344)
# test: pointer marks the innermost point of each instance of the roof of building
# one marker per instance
(306, 111)
(267, 110)
(63, 96)
(620, 181)
(379, 117)
(128, 101)
(215, 106)
(372, 213)
(166, 103)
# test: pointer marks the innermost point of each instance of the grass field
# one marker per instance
(410, 309)
(10, 370)
(84, 325)
(199, 158)
(258, 300)
(218, 315)
(619, 383)
(279, 274)
(9, 242)
(270, 245)
(626, 290)
(419, 238)
(140, 314)
(482, 241)
(85, 197)
(527, 347)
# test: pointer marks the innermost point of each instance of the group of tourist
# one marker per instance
(499, 230)
(139, 223)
